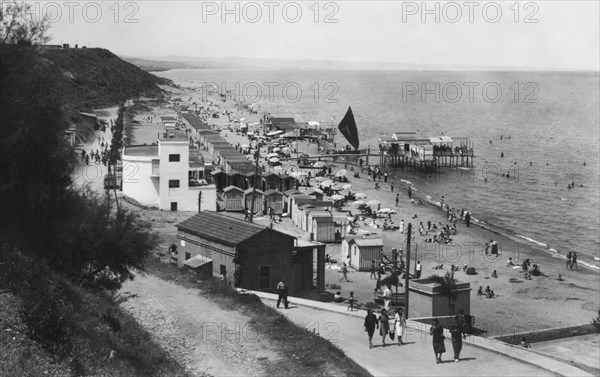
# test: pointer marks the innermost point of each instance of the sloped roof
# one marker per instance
(291, 192)
(365, 241)
(273, 191)
(323, 219)
(195, 122)
(197, 261)
(230, 188)
(220, 228)
(249, 191)
(282, 120)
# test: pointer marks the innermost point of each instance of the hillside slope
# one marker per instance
(94, 78)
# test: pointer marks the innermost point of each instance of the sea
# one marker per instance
(545, 125)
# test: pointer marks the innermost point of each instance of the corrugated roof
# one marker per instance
(220, 228)
(291, 192)
(195, 122)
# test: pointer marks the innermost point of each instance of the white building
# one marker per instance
(163, 176)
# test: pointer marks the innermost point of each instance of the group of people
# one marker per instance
(383, 324)
(488, 293)
(572, 260)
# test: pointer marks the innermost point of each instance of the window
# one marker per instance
(187, 255)
(173, 158)
(264, 277)
(173, 183)
(223, 270)
(173, 206)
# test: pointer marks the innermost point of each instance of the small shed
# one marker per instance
(200, 265)
(219, 178)
(237, 179)
(234, 198)
(341, 226)
(291, 203)
(287, 198)
(274, 200)
(250, 176)
(362, 251)
(318, 194)
(271, 181)
(323, 229)
(427, 299)
(259, 198)
(313, 213)
(287, 182)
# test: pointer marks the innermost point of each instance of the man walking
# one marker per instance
(344, 272)
(282, 293)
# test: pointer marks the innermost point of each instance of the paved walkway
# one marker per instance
(479, 357)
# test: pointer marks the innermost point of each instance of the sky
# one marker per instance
(551, 34)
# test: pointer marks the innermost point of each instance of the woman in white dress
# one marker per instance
(399, 325)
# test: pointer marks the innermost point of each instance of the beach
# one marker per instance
(519, 305)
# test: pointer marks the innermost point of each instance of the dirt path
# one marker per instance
(204, 338)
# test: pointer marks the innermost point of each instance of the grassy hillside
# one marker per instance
(93, 78)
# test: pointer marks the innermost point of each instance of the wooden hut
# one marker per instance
(270, 181)
(250, 176)
(237, 179)
(219, 178)
(287, 182)
(362, 251)
(312, 214)
(323, 229)
(275, 201)
(318, 194)
(291, 202)
(287, 198)
(259, 198)
(233, 197)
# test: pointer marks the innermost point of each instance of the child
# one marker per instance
(525, 343)
(351, 301)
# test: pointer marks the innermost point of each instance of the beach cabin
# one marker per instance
(318, 194)
(287, 197)
(237, 179)
(275, 201)
(287, 182)
(292, 203)
(323, 229)
(299, 213)
(233, 198)
(362, 251)
(219, 178)
(312, 214)
(259, 199)
(169, 122)
(341, 226)
(270, 181)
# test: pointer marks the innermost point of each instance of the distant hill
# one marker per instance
(94, 78)
(158, 65)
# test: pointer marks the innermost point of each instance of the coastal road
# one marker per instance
(413, 359)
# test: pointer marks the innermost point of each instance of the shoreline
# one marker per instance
(516, 238)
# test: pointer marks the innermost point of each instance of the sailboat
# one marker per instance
(348, 128)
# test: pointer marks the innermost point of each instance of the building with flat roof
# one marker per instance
(168, 176)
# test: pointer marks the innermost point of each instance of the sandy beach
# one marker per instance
(519, 305)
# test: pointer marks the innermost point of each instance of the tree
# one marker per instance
(19, 25)
(447, 286)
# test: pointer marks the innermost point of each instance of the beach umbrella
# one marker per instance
(319, 179)
(313, 123)
(319, 164)
(358, 203)
(387, 210)
(347, 186)
(326, 184)
(373, 202)
(360, 195)
(276, 149)
(273, 159)
(336, 187)
(272, 155)
(297, 174)
(340, 173)
(337, 197)
(272, 133)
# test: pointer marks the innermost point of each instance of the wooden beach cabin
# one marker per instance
(362, 251)
(323, 229)
(275, 201)
(233, 198)
(318, 194)
(251, 176)
(287, 197)
(292, 203)
(259, 199)
(270, 181)
(287, 182)
(219, 178)
(237, 179)
(312, 214)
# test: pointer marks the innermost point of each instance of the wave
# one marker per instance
(535, 242)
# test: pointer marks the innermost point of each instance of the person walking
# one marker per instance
(351, 301)
(399, 325)
(409, 192)
(397, 199)
(282, 293)
(402, 226)
(468, 219)
(373, 269)
(569, 259)
(387, 296)
(574, 261)
(457, 332)
(437, 333)
(384, 325)
(370, 324)
(418, 269)
(422, 228)
(344, 272)
(428, 225)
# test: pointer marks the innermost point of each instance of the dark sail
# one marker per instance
(348, 128)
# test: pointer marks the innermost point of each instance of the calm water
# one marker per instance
(552, 120)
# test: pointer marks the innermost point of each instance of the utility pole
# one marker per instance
(199, 201)
(256, 157)
(406, 271)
